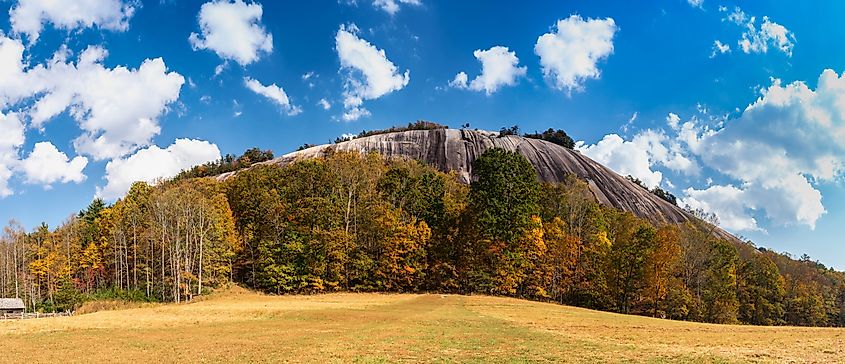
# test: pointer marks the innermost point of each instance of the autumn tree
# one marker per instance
(632, 243)
(760, 291)
(719, 293)
(662, 285)
(503, 199)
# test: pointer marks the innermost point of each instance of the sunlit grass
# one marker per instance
(240, 326)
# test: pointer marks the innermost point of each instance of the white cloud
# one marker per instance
(233, 30)
(153, 163)
(719, 48)
(696, 3)
(673, 120)
(11, 131)
(737, 16)
(461, 80)
(727, 202)
(117, 109)
(392, 6)
(755, 40)
(664, 151)
(623, 157)
(355, 113)
(783, 144)
(569, 54)
(274, 93)
(29, 16)
(14, 82)
(499, 67)
(640, 155)
(770, 33)
(47, 165)
(11, 139)
(370, 74)
(325, 104)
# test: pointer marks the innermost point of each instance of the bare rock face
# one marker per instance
(455, 150)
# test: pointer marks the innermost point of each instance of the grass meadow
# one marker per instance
(236, 325)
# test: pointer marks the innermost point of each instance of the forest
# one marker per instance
(361, 223)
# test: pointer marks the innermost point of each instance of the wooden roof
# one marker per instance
(11, 304)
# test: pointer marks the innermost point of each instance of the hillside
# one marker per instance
(344, 221)
(456, 149)
(240, 326)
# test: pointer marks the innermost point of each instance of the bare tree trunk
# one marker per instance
(202, 238)
(134, 254)
(15, 249)
(163, 232)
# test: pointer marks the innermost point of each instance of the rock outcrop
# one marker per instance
(455, 150)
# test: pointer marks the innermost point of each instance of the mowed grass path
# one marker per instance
(240, 326)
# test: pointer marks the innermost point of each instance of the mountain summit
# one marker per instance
(454, 150)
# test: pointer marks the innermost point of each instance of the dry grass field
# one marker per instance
(240, 326)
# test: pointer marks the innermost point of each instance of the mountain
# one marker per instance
(456, 149)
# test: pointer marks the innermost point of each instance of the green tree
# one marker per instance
(503, 200)
(719, 294)
(504, 194)
(760, 291)
(805, 305)
(632, 244)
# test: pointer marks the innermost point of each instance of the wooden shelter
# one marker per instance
(11, 306)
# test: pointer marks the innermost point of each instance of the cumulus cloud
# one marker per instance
(153, 163)
(392, 6)
(460, 81)
(29, 16)
(116, 108)
(14, 82)
(639, 156)
(11, 139)
(727, 202)
(274, 93)
(233, 30)
(569, 54)
(499, 67)
(369, 73)
(778, 150)
(783, 144)
(770, 34)
(11, 131)
(666, 151)
(47, 165)
(623, 157)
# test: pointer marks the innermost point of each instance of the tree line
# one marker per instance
(361, 223)
(168, 243)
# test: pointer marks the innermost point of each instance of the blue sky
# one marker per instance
(102, 92)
